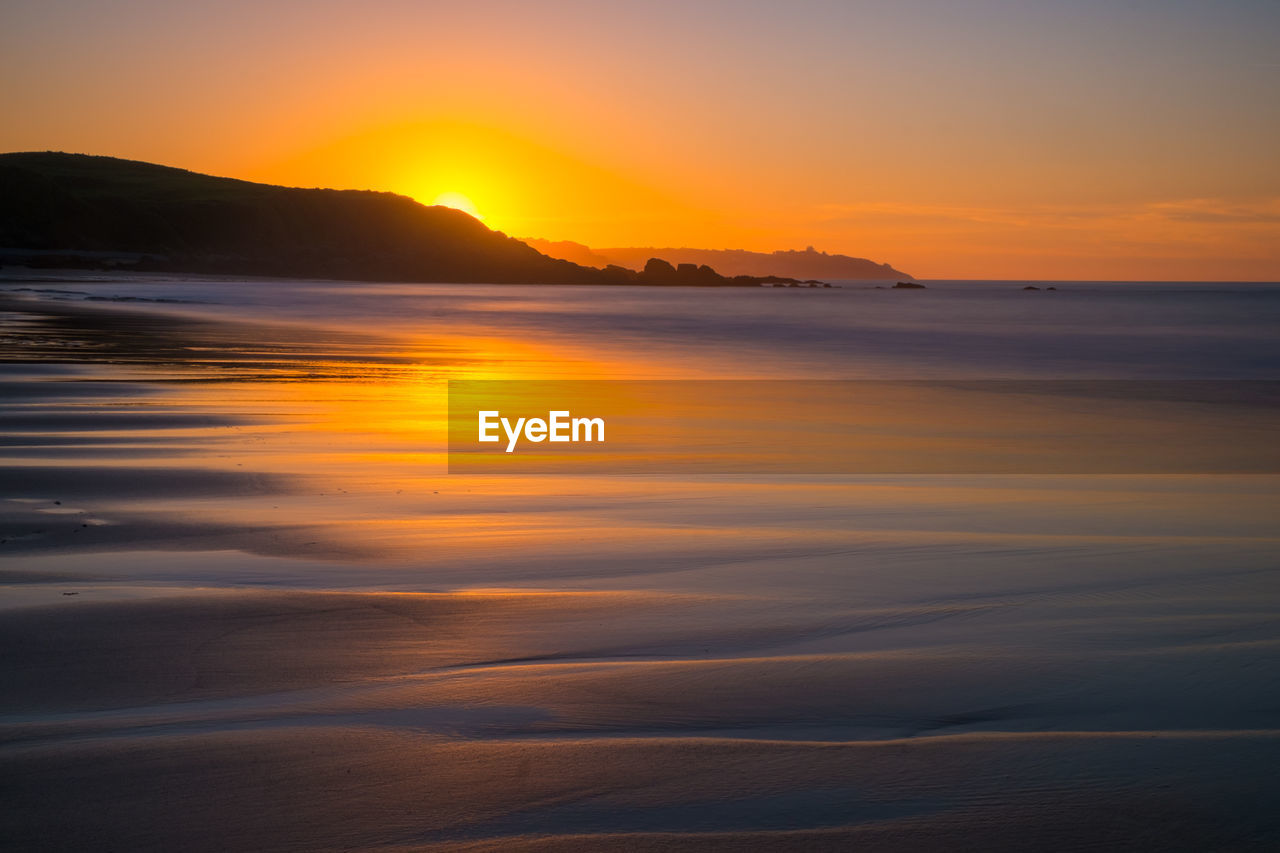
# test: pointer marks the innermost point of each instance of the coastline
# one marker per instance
(246, 606)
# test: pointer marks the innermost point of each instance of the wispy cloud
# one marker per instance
(1207, 210)
(1167, 238)
(1199, 210)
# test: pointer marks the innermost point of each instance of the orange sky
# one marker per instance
(950, 138)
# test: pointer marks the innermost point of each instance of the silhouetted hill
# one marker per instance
(76, 210)
(794, 264)
(94, 211)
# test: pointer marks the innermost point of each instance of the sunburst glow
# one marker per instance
(458, 201)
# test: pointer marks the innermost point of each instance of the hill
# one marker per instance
(80, 210)
(807, 264)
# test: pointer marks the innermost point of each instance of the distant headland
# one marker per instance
(807, 264)
(80, 211)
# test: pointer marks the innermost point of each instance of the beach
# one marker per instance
(246, 605)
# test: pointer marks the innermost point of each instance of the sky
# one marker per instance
(1046, 139)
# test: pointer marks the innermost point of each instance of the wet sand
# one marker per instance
(297, 721)
(243, 607)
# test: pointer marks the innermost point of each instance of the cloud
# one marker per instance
(1205, 211)
(1187, 238)
(1211, 211)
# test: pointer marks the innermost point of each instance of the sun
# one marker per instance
(458, 201)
